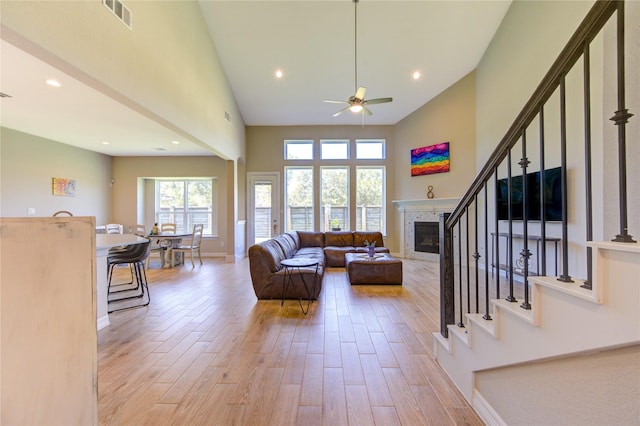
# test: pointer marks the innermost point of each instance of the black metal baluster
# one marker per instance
(460, 322)
(621, 118)
(466, 213)
(587, 162)
(486, 316)
(542, 254)
(510, 297)
(525, 254)
(497, 240)
(476, 255)
(564, 277)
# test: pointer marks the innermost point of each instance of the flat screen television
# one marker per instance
(552, 196)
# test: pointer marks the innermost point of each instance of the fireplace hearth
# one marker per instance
(427, 237)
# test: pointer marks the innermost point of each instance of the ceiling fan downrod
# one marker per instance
(355, 43)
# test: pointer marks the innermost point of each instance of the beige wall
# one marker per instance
(449, 117)
(128, 172)
(27, 164)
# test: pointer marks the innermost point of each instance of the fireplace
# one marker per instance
(427, 237)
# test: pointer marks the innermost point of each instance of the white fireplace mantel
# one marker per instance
(428, 204)
(422, 209)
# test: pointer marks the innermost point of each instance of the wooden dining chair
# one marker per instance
(114, 228)
(194, 247)
(168, 228)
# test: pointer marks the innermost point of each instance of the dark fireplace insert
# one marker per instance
(427, 237)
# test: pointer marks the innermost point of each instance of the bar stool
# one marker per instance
(135, 256)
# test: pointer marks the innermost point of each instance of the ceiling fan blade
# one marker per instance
(360, 93)
(341, 111)
(366, 111)
(378, 101)
(335, 102)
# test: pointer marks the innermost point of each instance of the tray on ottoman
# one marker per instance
(380, 269)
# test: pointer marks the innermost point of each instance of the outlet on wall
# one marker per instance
(221, 243)
(31, 211)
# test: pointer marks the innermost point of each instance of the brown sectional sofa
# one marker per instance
(329, 248)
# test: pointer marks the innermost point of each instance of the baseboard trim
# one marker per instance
(103, 322)
(485, 410)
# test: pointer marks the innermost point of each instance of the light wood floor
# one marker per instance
(207, 352)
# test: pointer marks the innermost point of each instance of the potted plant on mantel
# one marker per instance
(335, 224)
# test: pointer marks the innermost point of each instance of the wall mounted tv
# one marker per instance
(552, 196)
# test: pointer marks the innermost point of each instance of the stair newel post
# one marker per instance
(460, 321)
(564, 277)
(486, 316)
(447, 296)
(621, 118)
(476, 254)
(510, 297)
(525, 254)
(587, 162)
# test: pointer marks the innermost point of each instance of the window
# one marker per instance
(334, 149)
(298, 150)
(370, 149)
(298, 198)
(334, 198)
(370, 199)
(334, 189)
(186, 202)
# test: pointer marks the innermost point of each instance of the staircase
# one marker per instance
(565, 320)
(494, 321)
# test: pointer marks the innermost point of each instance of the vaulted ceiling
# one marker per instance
(311, 42)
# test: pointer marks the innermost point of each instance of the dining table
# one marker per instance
(169, 241)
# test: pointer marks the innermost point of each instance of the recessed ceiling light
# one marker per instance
(105, 143)
(53, 82)
(279, 74)
(175, 142)
(416, 75)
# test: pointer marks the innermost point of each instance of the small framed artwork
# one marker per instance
(64, 187)
(430, 159)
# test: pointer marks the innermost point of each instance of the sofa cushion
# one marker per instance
(275, 254)
(334, 255)
(371, 236)
(311, 239)
(295, 237)
(338, 238)
(287, 244)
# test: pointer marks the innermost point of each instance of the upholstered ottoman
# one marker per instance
(381, 269)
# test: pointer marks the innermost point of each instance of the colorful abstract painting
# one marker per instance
(430, 159)
(63, 186)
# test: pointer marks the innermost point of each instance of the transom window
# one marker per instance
(334, 149)
(370, 149)
(298, 150)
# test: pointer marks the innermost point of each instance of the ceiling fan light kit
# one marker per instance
(357, 103)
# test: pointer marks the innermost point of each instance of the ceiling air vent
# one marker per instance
(4, 95)
(120, 10)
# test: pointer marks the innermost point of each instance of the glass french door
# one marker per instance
(263, 201)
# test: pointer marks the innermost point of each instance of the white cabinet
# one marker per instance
(48, 340)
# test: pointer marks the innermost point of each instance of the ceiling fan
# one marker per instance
(357, 103)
